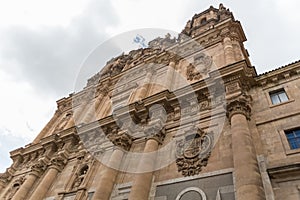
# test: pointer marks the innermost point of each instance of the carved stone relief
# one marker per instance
(239, 105)
(120, 139)
(80, 175)
(14, 188)
(193, 151)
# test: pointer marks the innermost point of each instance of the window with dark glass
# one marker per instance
(278, 96)
(203, 21)
(293, 137)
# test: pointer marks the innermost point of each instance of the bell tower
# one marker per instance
(220, 34)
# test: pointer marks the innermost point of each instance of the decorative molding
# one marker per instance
(192, 73)
(5, 177)
(58, 162)
(38, 168)
(195, 189)
(120, 139)
(156, 131)
(239, 105)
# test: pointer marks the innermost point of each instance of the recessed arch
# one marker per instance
(195, 189)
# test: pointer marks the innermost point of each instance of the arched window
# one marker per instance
(203, 21)
(191, 193)
(80, 176)
(83, 170)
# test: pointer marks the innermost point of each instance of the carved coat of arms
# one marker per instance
(193, 152)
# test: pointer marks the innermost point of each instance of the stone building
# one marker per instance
(186, 118)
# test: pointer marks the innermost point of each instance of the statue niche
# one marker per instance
(80, 175)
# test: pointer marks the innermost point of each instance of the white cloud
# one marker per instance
(21, 107)
(44, 42)
(33, 13)
(135, 14)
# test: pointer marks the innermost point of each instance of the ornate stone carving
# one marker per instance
(14, 188)
(193, 151)
(64, 104)
(232, 88)
(58, 162)
(203, 63)
(192, 73)
(38, 168)
(120, 139)
(156, 133)
(239, 105)
(162, 43)
(80, 175)
(5, 177)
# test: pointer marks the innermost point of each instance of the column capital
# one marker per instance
(120, 139)
(38, 168)
(5, 177)
(155, 132)
(239, 105)
(58, 162)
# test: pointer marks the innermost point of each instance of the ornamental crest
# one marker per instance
(193, 152)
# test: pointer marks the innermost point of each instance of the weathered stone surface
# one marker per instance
(197, 105)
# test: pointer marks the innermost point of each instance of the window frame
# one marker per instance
(297, 138)
(277, 93)
(285, 142)
(278, 88)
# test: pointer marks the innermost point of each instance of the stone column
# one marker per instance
(17, 160)
(228, 51)
(142, 182)
(31, 178)
(46, 129)
(92, 110)
(142, 92)
(169, 76)
(237, 49)
(248, 182)
(79, 106)
(122, 142)
(57, 164)
(70, 123)
(2, 186)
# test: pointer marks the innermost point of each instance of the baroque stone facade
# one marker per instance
(184, 118)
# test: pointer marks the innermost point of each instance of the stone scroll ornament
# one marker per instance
(193, 151)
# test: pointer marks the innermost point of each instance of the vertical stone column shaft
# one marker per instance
(142, 92)
(142, 183)
(237, 50)
(42, 188)
(26, 186)
(92, 110)
(46, 128)
(77, 115)
(228, 50)
(169, 76)
(2, 186)
(107, 180)
(247, 177)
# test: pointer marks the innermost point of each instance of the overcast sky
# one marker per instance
(43, 44)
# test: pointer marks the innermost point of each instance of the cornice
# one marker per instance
(282, 73)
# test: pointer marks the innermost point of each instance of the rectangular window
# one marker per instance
(293, 137)
(278, 96)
